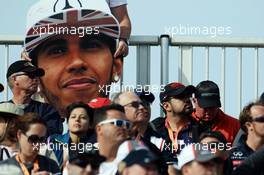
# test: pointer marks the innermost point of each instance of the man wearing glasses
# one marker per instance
(136, 111)
(252, 123)
(112, 130)
(23, 80)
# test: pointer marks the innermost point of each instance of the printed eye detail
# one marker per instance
(56, 50)
(91, 44)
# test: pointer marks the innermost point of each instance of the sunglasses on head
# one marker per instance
(33, 139)
(30, 75)
(136, 104)
(117, 122)
(259, 119)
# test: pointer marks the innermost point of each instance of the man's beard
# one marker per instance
(185, 112)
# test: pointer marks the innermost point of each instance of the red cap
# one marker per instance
(1, 87)
(99, 102)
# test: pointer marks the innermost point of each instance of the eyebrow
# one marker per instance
(53, 43)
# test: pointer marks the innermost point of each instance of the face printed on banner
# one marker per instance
(76, 68)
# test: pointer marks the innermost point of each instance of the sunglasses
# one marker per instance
(34, 139)
(117, 122)
(259, 119)
(136, 104)
(30, 75)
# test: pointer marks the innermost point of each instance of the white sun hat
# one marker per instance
(10, 110)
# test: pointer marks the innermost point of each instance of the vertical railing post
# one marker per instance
(5, 70)
(164, 45)
(143, 65)
(164, 70)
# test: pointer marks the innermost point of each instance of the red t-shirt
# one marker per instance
(225, 124)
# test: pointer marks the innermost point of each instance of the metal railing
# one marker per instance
(185, 48)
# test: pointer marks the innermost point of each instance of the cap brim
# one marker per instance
(188, 90)
(39, 72)
(209, 102)
(95, 159)
(1, 87)
(147, 96)
(7, 114)
(221, 155)
(99, 21)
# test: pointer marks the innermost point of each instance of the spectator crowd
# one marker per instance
(75, 128)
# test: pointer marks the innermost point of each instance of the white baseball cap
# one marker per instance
(10, 110)
(198, 152)
(48, 18)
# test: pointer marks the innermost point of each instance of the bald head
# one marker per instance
(134, 109)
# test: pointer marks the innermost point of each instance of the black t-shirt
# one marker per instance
(48, 113)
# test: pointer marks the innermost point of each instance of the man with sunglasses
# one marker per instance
(112, 130)
(23, 80)
(176, 128)
(252, 123)
(86, 163)
(136, 111)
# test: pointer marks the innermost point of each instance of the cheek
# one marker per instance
(70, 124)
(200, 111)
(50, 79)
(85, 123)
(102, 67)
(130, 113)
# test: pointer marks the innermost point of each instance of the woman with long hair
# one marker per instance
(30, 135)
(80, 134)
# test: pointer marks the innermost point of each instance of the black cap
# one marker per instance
(261, 99)
(141, 157)
(24, 66)
(175, 89)
(145, 95)
(91, 157)
(1, 87)
(207, 94)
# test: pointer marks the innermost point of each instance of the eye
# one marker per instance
(56, 50)
(91, 44)
(73, 116)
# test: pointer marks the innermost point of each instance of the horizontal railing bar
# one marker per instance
(175, 41)
(217, 42)
(11, 40)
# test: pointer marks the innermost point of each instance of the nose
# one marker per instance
(77, 118)
(77, 63)
(141, 106)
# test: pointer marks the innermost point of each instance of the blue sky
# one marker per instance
(244, 19)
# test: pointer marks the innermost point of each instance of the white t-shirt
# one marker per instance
(7, 152)
(115, 3)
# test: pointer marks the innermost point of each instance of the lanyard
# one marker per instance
(24, 168)
(173, 137)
